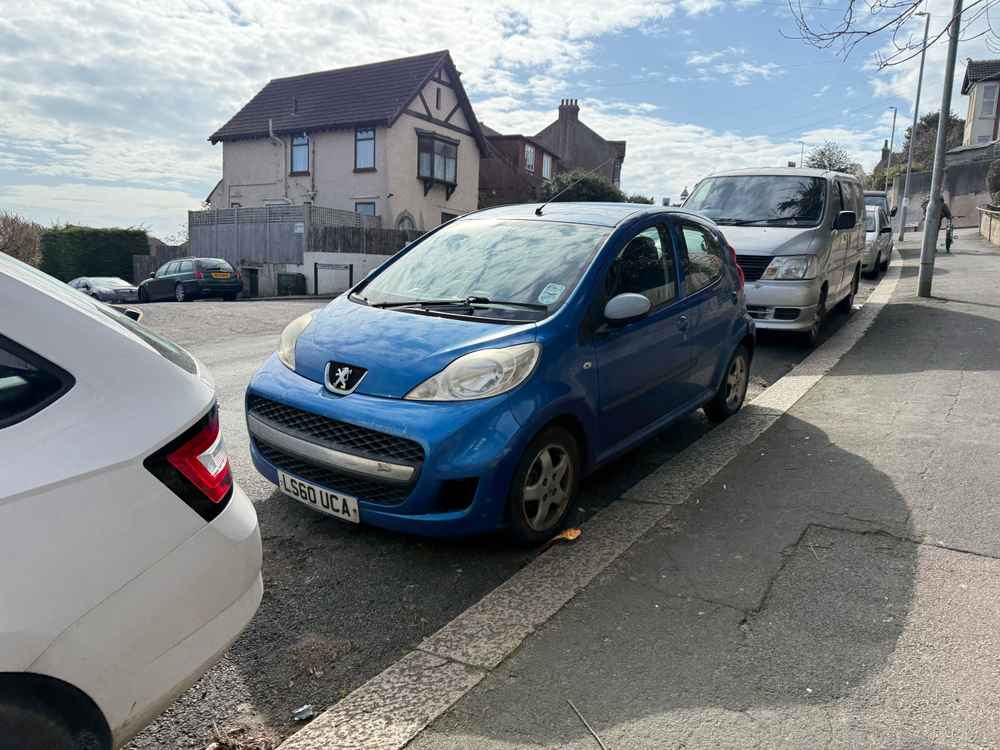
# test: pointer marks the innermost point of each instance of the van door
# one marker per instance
(840, 241)
(643, 367)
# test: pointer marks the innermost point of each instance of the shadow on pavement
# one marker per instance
(767, 596)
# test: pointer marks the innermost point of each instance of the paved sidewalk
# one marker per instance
(836, 585)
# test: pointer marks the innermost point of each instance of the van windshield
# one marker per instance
(533, 265)
(782, 200)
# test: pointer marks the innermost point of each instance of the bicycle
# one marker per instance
(949, 234)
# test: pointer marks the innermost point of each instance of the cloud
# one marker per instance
(726, 62)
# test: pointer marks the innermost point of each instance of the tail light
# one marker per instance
(739, 268)
(195, 466)
(199, 275)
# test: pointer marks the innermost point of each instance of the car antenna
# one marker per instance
(538, 211)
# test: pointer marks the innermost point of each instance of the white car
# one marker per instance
(131, 558)
(878, 241)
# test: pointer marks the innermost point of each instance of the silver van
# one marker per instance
(799, 237)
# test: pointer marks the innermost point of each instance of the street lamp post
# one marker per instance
(892, 143)
(913, 130)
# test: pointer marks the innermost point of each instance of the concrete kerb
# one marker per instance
(397, 704)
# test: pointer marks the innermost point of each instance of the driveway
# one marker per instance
(343, 602)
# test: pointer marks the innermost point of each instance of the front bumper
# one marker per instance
(783, 305)
(458, 486)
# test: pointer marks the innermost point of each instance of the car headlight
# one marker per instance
(481, 374)
(289, 336)
(784, 267)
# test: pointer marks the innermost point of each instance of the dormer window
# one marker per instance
(300, 154)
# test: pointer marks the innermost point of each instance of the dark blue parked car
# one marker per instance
(473, 380)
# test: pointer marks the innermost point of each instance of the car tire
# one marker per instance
(544, 487)
(847, 304)
(810, 338)
(876, 267)
(728, 399)
(885, 262)
(32, 725)
(143, 294)
(180, 294)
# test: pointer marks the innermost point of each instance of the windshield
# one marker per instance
(534, 263)
(109, 281)
(763, 199)
(215, 264)
(869, 221)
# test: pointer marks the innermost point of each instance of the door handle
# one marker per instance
(682, 322)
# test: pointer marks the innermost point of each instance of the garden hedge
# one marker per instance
(68, 252)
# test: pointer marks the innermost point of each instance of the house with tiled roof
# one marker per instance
(981, 84)
(515, 169)
(396, 139)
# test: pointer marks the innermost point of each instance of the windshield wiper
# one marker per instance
(747, 222)
(467, 302)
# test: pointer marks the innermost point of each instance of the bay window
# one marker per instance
(437, 161)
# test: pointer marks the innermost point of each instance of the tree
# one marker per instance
(923, 148)
(639, 198)
(993, 181)
(588, 187)
(20, 238)
(872, 19)
(829, 156)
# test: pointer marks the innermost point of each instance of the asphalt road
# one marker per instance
(343, 602)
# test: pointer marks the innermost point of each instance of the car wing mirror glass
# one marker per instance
(845, 220)
(152, 274)
(627, 307)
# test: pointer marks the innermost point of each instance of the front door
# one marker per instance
(643, 367)
(840, 241)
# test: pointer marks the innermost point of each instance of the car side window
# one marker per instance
(28, 383)
(644, 266)
(166, 269)
(702, 261)
(185, 266)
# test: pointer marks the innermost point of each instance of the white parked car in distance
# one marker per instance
(132, 559)
(878, 241)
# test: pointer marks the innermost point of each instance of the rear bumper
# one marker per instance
(152, 639)
(210, 289)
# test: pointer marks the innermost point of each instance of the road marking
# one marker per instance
(395, 705)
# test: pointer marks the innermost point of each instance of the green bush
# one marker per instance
(993, 181)
(68, 252)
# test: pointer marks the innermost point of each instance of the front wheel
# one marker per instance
(811, 337)
(143, 294)
(847, 304)
(733, 389)
(544, 487)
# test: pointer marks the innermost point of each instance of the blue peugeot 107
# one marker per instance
(473, 380)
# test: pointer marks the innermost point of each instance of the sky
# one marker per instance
(106, 107)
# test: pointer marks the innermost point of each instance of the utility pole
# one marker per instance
(892, 143)
(933, 220)
(913, 128)
(802, 153)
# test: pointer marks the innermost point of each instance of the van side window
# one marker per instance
(28, 383)
(644, 266)
(836, 199)
(702, 260)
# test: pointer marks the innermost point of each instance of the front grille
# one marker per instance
(753, 265)
(758, 312)
(371, 490)
(786, 313)
(337, 434)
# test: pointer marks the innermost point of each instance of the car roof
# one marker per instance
(782, 172)
(597, 214)
(875, 193)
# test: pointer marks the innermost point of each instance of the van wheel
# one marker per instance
(733, 389)
(811, 337)
(544, 487)
(847, 304)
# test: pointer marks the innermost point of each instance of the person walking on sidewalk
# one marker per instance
(945, 214)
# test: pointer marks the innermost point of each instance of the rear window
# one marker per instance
(28, 383)
(869, 221)
(214, 264)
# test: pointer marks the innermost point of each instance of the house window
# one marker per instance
(437, 97)
(364, 148)
(437, 159)
(529, 157)
(405, 223)
(365, 208)
(989, 106)
(546, 166)
(616, 172)
(300, 154)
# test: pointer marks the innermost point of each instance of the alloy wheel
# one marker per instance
(737, 380)
(179, 292)
(546, 489)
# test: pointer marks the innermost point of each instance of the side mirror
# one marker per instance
(626, 308)
(845, 220)
(152, 274)
(893, 211)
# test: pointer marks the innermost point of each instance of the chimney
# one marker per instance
(569, 116)
(569, 110)
(885, 152)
